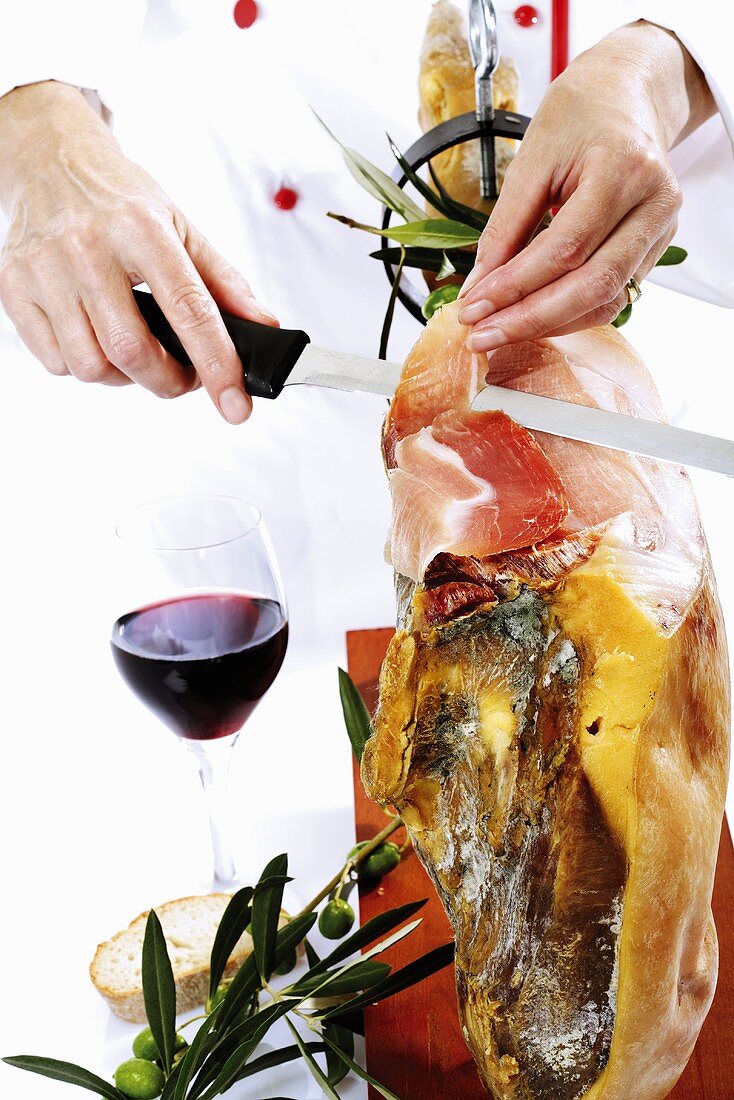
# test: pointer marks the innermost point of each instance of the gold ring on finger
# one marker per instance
(634, 291)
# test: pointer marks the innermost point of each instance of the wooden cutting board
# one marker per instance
(414, 1045)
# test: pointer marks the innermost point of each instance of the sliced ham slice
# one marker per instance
(439, 374)
(472, 484)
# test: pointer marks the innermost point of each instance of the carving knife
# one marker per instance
(277, 358)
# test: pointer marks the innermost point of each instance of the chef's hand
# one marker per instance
(86, 225)
(598, 149)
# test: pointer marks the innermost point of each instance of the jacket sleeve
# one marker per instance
(704, 161)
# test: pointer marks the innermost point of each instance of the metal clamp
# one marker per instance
(485, 55)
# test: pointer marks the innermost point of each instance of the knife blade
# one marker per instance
(275, 358)
(339, 371)
(610, 429)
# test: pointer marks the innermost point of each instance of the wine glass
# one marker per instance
(205, 630)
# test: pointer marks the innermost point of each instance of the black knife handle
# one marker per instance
(268, 354)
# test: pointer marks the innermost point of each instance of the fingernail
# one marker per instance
(265, 312)
(487, 340)
(234, 405)
(469, 281)
(477, 311)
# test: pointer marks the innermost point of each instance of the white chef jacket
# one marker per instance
(221, 117)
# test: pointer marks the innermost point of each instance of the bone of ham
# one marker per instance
(553, 718)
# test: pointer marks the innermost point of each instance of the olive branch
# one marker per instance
(445, 245)
(323, 1006)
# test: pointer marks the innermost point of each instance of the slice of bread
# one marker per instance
(189, 925)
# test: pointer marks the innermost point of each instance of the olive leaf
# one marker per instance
(159, 990)
(401, 979)
(427, 233)
(291, 935)
(390, 311)
(278, 1058)
(427, 259)
(188, 1067)
(233, 1049)
(361, 976)
(235, 920)
(266, 905)
(244, 984)
(375, 181)
(258, 1026)
(447, 267)
(673, 255)
(356, 716)
(316, 1072)
(434, 233)
(350, 1021)
(66, 1072)
(311, 953)
(356, 1068)
(336, 1068)
(418, 182)
(246, 981)
(477, 218)
(440, 198)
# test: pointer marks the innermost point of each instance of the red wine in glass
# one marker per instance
(202, 662)
(209, 631)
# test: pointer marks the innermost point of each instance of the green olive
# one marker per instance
(382, 861)
(336, 919)
(218, 997)
(139, 1079)
(378, 863)
(144, 1045)
(441, 296)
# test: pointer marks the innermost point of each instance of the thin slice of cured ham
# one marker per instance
(439, 374)
(470, 484)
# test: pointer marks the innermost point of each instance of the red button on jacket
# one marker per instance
(245, 13)
(286, 198)
(526, 15)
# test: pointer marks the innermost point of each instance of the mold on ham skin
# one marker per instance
(553, 726)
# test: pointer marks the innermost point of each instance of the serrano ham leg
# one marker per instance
(553, 719)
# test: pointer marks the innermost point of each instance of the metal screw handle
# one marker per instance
(485, 55)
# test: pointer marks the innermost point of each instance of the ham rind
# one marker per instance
(473, 484)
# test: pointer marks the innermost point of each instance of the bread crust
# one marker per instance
(192, 981)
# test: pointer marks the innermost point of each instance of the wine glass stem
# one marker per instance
(214, 759)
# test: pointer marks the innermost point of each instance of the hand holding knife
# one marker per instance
(275, 358)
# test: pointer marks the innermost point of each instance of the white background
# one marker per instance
(100, 814)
